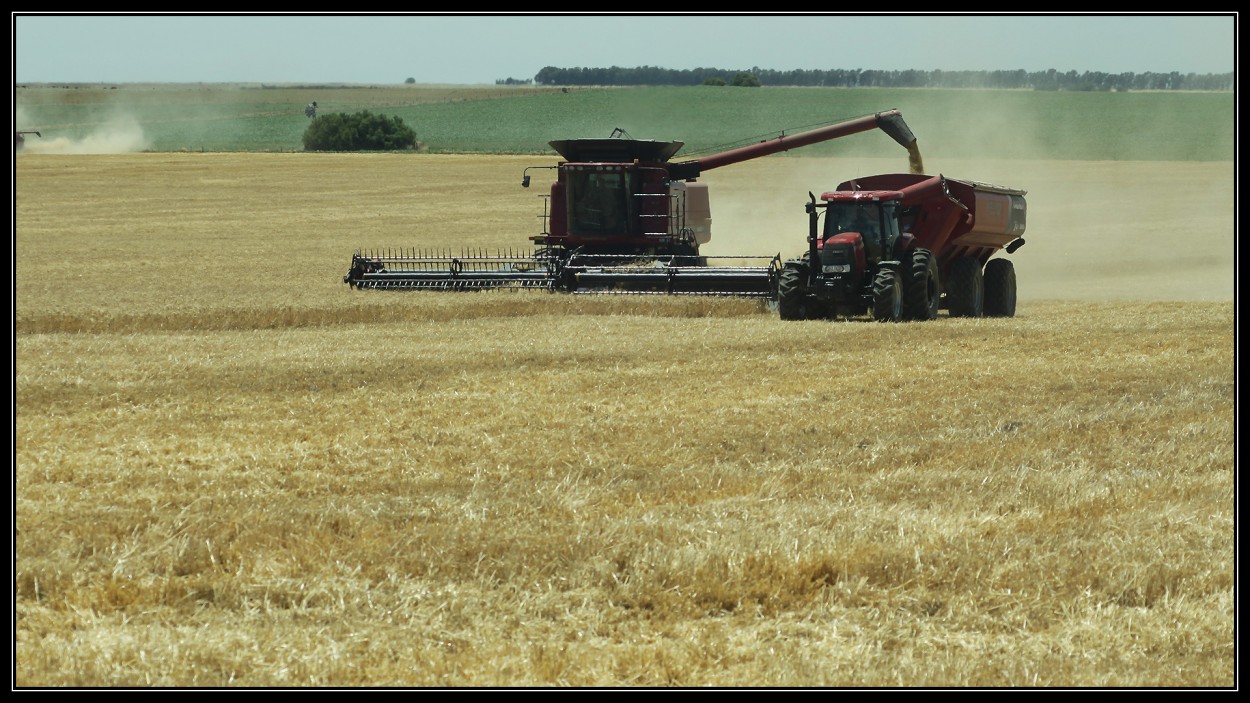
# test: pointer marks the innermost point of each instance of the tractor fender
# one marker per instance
(801, 266)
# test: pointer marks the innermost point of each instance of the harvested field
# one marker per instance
(233, 470)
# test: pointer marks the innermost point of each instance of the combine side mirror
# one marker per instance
(525, 175)
(1011, 248)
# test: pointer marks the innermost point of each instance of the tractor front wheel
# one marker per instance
(790, 293)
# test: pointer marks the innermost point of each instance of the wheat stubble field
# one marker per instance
(232, 470)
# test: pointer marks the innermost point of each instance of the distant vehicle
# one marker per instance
(19, 140)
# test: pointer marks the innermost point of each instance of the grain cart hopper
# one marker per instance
(902, 246)
(621, 217)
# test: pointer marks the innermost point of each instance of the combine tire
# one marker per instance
(922, 292)
(688, 256)
(887, 296)
(1000, 288)
(965, 290)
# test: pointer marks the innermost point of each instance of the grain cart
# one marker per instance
(902, 246)
(621, 217)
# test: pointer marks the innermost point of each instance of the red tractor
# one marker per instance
(903, 246)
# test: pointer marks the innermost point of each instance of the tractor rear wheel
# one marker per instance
(965, 290)
(887, 296)
(922, 293)
(1000, 288)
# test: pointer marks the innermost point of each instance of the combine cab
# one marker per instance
(621, 217)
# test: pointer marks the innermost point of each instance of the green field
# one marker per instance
(1156, 126)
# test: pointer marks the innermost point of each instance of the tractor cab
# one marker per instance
(863, 224)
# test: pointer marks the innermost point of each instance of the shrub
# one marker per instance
(714, 81)
(746, 80)
(359, 132)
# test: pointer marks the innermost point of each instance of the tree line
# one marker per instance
(869, 78)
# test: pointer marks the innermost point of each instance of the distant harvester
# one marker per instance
(19, 141)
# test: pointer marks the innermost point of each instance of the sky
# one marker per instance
(485, 48)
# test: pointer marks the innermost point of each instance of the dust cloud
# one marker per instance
(1097, 230)
(120, 134)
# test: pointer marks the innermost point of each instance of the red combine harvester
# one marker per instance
(903, 246)
(621, 218)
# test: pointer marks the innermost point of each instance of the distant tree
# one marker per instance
(746, 80)
(359, 132)
(410, 80)
(1015, 79)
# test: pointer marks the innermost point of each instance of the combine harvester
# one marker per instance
(621, 218)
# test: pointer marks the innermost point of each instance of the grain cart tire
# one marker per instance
(791, 292)
(921, 294)
(887, 296)
(1000, 288)
(965, 289)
